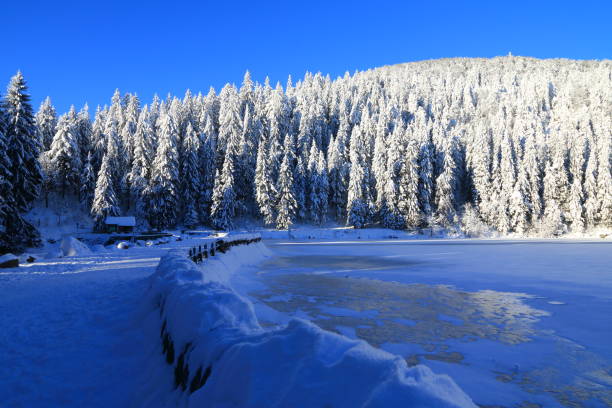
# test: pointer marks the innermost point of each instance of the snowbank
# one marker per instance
(9, 261)
(221, 356)
(343, 233)
(71, 246)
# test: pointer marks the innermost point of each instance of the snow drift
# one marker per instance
(71, 246)
(222, 357)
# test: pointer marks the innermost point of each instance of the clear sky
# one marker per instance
(81, 51)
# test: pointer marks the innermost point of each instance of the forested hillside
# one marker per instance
(510, 144)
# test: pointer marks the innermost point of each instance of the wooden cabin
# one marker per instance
(120, 225)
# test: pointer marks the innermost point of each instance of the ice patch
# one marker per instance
(223, 357)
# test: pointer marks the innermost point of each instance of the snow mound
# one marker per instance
(221, 356)
(71, 246)
(123, 245)
(9, 261)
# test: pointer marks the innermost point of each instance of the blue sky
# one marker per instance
(81, 51)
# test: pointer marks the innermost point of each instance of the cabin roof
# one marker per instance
(121, 221)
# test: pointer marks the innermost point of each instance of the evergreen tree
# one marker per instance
(446, 189)
(286, 208)
(359, 195)
(265, 191)
(20, 172)
(207, 169)
(163, 189)
(65, 156)
(22, 146)
(408, 198)
(88, 183)
(105, 201)
(191, 182)
(46, 120)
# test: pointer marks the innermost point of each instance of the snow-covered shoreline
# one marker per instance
(221, 355)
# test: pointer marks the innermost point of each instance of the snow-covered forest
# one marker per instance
(511, 144)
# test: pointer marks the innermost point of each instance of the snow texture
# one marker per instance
(223, 357)
(73, 247)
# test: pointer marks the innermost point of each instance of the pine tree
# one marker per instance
(22, 146)
(65, 156)
(359, 195)
(230, 120)
(46, 120)
(223, 207)
(265, 191)
(88, 183)
(446, 188)
(286, 208)
(576, 194)
(191, 182)
(84, 132)
(144, 153)
(338, 170)
(592, 202)
(426, 183)
(105, 201)
(207, 169)
(20, 173)
(408, 203)
(389, 179)
(163, 189)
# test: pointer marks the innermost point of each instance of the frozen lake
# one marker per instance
(515, 323)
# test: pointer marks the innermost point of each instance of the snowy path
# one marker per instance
(513, 322)
(69, 332)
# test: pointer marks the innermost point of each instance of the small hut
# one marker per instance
(121, 225)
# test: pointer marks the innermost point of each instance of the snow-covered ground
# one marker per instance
(513, 322)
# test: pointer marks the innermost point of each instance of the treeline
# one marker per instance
(510, 144)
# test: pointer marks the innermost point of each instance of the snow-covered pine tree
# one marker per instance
(22, 144)
(65, 156)
(162, 192)
(507, 181)
(286, 208)
(553, 220)
(98, 139)
(318, 186)
(408, 203)
(141, 167)
(359, 207)
(5, 188)
(46, 120)
(576, 194)
(207, 168)
(105, 201)
(338, 169)
(604, 172)
(277, 120)
(426, 180)
(388, 179)
(88, 183)
(265, 190)
(593, 201)
(531, 166)
(83, 130)
(230, 120)
(246, 95)
(247, 161)
(223, 208)
(446, 188)
(191, 183)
